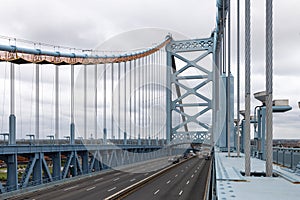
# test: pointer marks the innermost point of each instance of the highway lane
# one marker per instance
(186, 181)
(99, 186)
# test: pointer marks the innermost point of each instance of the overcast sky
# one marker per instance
(88, 24)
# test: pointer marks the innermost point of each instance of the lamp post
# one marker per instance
(279, 105)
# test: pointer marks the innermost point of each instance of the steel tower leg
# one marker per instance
(168, 98)
(12, 165)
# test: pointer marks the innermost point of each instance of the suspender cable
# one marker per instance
(104, 102)
(96, 101)
(247, 87)
(224, 38)
(238, 78)
(56, 102)
(112, 99)
(269, 87)
(130, 85)
(125, 102)
(12, 118)
(135, 94)
(72, 126)
(139, 91)
(37, 101)
(228, 84)
(84, 100)
(119, 100)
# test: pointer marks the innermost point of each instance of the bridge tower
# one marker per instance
(185, 108)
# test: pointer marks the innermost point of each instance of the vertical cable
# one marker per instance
(130, 85)
(37, 101)
(269, 87)
(228, 84)
(56, 102)
(139, 90)
(125, 102)
(119, 101)
(84, 101)
(247, 86)
(104, 101)
(96, 99)
(72, 127)
(238, 78)
(224, 38)
(135, 94)
(112, 101)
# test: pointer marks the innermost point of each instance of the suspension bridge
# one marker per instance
(157, 122)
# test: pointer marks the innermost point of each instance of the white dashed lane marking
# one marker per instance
(156, 192)
(111, 189)
(180, 193)
(90, 188)
(168, 181)
(70, 188)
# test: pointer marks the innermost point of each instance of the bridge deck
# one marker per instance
(232, 185)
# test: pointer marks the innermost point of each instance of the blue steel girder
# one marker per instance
(205, 44)
(67, 165)
(1, 188)
(78, 163)
(28, 171)
(45, 167)
(92, 163)
(176, 49)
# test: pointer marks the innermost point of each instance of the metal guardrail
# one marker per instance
(288, 157)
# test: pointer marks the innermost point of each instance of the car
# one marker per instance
(207, 157)
(174, 159)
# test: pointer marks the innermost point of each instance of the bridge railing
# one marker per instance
(287, 157)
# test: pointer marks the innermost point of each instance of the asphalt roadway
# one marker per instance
(186, 181)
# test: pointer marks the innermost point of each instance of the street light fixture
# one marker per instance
(279, 105)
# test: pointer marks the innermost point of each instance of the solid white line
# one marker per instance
(180, 193)
(146, 174)
(132, 179)
(116, 174)
(70, 188)
(90, 188)
(116, 179)
(168, 181)
(111, 189)
(187, 182)
(98, 179)
(156, 192)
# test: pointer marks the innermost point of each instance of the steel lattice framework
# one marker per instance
(174, 76)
